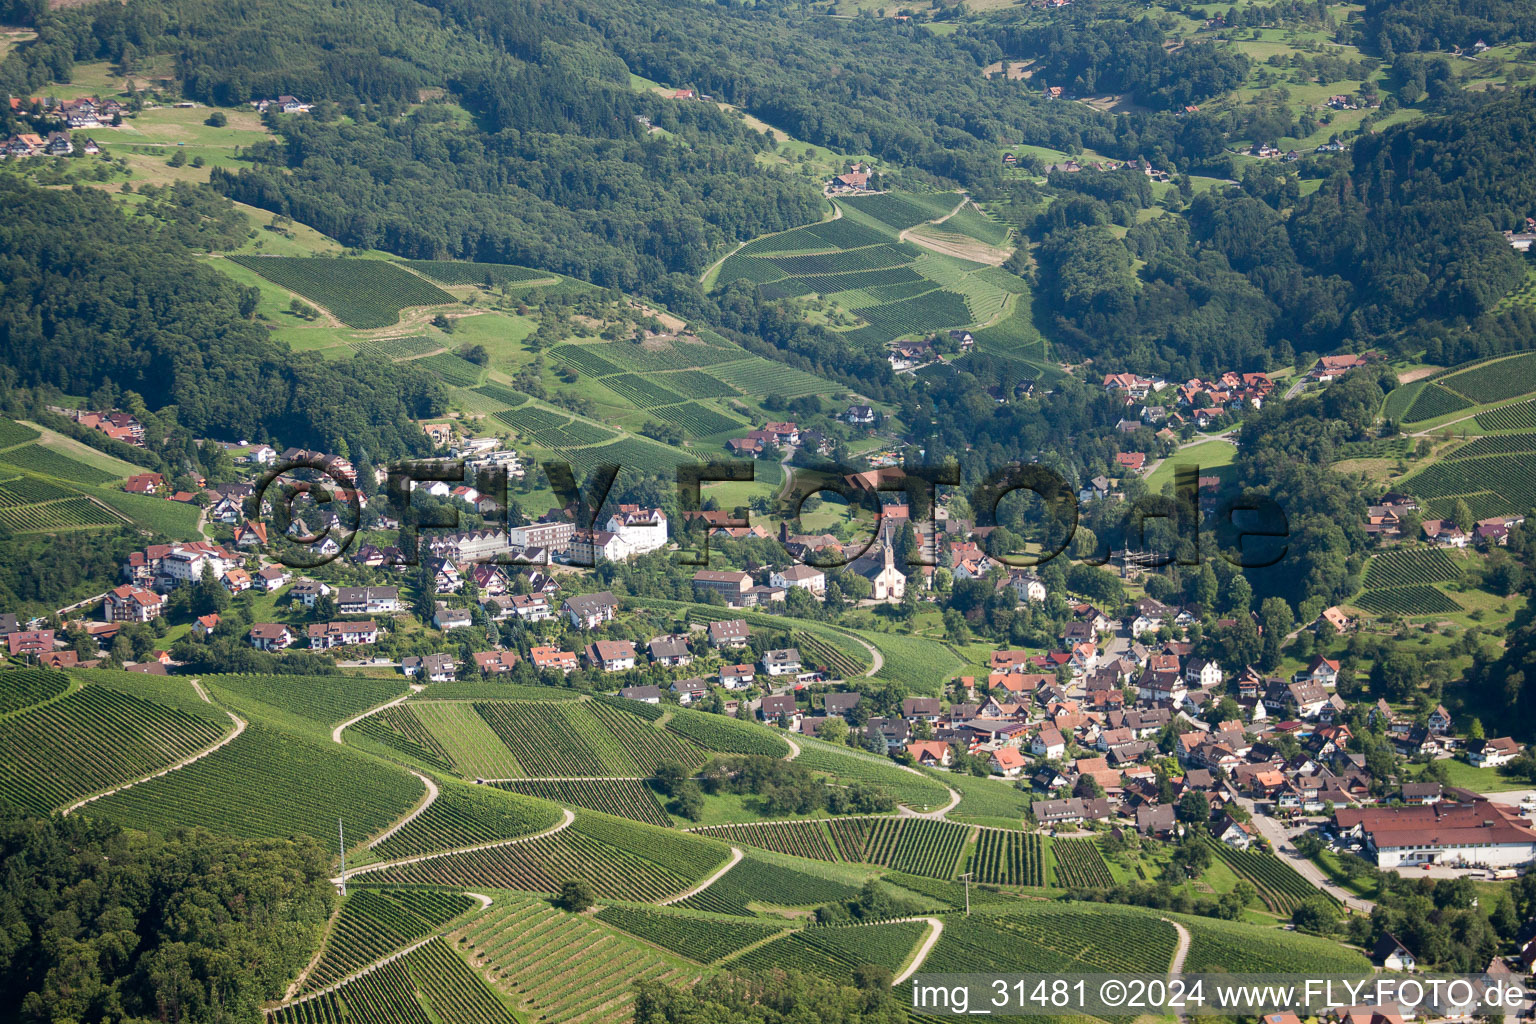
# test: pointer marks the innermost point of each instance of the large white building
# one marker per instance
(642, 530)
(1474, 833)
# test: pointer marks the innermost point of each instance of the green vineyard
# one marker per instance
(1421, 600)
(467, 816)
(1521, 416)
(835, 952)
(91, 740)
(22, 688)
(69, 514)
(593, 738)
(372, 924)
(361, 293)
(717, 732)
(621, 860)
(918, 792)
(1279, 885)
(559, 967)
(37, 459)
(398, 348)
(1495, 381)
(917, 846)
(270, 783)
(760, 881)
(1434, 401)
(1409, 567)
(13, 433)
(623, 798)
(702, 939)
(397, 992)
(454, 272)
(797, 838)
(1079, 864)
(451, 369)
(1009, 858)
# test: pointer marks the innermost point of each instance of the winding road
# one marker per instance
(418, 858)
(935, 929)
(240, 725)
(736, 856)
(397, 826)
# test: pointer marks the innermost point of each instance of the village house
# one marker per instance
(611, 655)
(367, 600)
(588, 611)
(670, 651)
(128, 603)
(728, 633)
(433, 667)
(643, 694)
(737, 677)
(730, 584)
(546, 657)
(782, 662)
(270, 636)
(493, 663)
(326, 635)
(778, 708)
(798, 575)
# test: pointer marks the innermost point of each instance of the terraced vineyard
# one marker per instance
(835, 952)
(1230, 947)
(501, 393)
(474, 749)
(361, 293)
(642, 391)
(1499, 444)
(716, 732)
(797, 838)
(325, 700)
(1080, 864)
(1433, 401)
(637, 454)
(270, 783)
(1496, 380)
(927, 312)
(397, 992)
(696, 420)
(702, 939)
(53, 516)
(13, 433)
(1521, 416)
(399, 729)
(1051, 938)
(1279, 885)
(559, 967)
(915, 791)
(37, 459)
(758, 880)
(1009, 858)
(1507, 477)
(986, 801)
(624, 798)
(91, 740)
(821, 652)
(21, 688)
(455, 272)
(903, 209)
(27, 490)
(566, 739)
(373, 923)
(917, 846)
(468, 816)
(696, 384)
(1409, 601)
(622, 860)
(398, 348)
(452, 369)
(1410, 566)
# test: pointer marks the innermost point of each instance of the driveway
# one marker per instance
(1274, 831)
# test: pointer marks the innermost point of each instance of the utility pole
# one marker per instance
(966, 878)
(342, 835)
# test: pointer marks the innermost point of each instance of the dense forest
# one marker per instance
(1402, 245)
(1403, 25)
(105, 925)
(95, 297)
(1087, 57)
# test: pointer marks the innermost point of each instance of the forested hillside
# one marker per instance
(93, 296)
(103, 924)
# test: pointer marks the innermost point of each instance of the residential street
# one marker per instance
(1275, 833)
